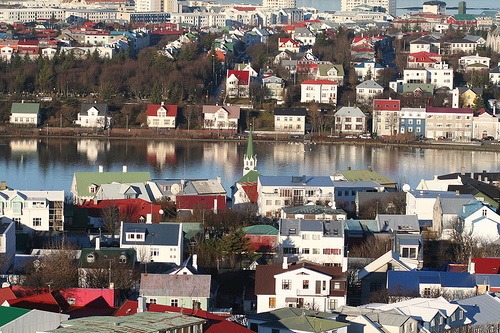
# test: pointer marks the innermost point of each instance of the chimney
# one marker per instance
(162, 103)
(148, 219)
(348, 168)
(479, 178)
(304, 179)
(183, 182)
(97, 243)
(285, 263)
(435, 177)
(219, 180)
(101, 168)
(462, 171)
(111, 285)
(3, 186)
(141, 304)
(457, 193)
(195, 261)
(124, 168)
(472, 175)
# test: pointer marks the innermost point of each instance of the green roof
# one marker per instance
(410, 87)
(261, 230)
(250, 152)
(8, 314)
(464, 17)
(366, 175)
(25, 108)
(306, 324)
(251, 176)
(85, 179)
(323, 68)
(143, 322)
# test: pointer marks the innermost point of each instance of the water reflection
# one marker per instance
(50, 164)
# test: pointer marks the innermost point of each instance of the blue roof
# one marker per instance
(412, 279)
(155, 233)
(481, 309)
(353, 226)
(470, 209)
(323, 181)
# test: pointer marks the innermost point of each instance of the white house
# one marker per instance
(25, 114)
(162, 242)
(320, 91)
(480, 222)
(318, 241)
(33, 210)
(288, 44)
(290, 120)
(368, 66)
(350, 120)
(162, 116)
(238, 84)
(221, 117)
(94, 115)
(305, 36)
(466, 61)
(368, 90)
(7, 245)
(441, 76)
(275, 192)
(301, 285)
(275, 86)
(495, 76)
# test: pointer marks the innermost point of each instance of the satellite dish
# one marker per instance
(161, 211)
(175, 189)
(406, 188)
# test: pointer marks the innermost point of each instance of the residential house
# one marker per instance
(412, 121)
(275, 86)
(451, 123)
(331, 72)
(318, 241)
(25, 114)
(433, 314)
(290, 120)
(221, 117)
(484, 265)
(292, 320)
(320, 91)
(116, 191)
(33, 210)
(366, 67)
(401, 224)
(302, 285)
(244, 191)
(368, 320)
(456, 46)
(373, 276)
(196, 291)
(368, 90)
(304, 36)
(274, 192)
(495, 76)
(462, 20)
(26, 320)
(263, 238)
(480, 310)
(423, 59)
(162, 242)
(147, 321)
(480, 222)
(248, 68)
(237, 84)
(480, 41)
(346, 192)
(416, 94)
(7, 245)
(427, 44)
(288, 44)
(85, 184)
(465, 97)
(350, 120)
(441, 76)
(162, 116)
(213, 323)
(445, 220)
(313, 212)
(365, 175)
(410, 248)
(386, 114)
(309, 66)
(94, 115)
(485, 124)
(98, 261)
(474, 62)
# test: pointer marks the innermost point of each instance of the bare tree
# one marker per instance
(110, 218)
(372, 247)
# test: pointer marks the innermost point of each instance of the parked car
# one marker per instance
(488, 138)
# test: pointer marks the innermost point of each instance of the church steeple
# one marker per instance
(250, 159)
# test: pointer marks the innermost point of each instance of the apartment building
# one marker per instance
(451, 123)
(389, 5)
(386, 117)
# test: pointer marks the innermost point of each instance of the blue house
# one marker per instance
(412, 121)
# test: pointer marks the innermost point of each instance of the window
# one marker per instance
(269, 202)
(339, 193)
(324, 285)
(286, 284)
(305, 284)
(37, 221)
(275, 330)
(305, 250)
(272, 302)
(316, 236)
(427, 292)
(315, 251)
(153, 301)
(91, 257)
(155, 252)
(333, 304)
(305, 236)
(174, 302)
(409, 252)
(292, 231)
(336, 285)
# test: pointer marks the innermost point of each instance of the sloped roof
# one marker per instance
(30, 108)
(8, 314)
(323, 181)
(6, 294)
(103, 254)
(481, 309)
(101, 107)
(381, 261)
(370, 84)
(453, 205)
(251, 176)
(324, 68)
(319, 82)
(349, 111)
(312, 209)
(166, 234)
(290, 111)
(449, 110)
(366, 175)
(85, 179)
(304, 324)
(397, 222)
(153, 109)
(232, 111)
(261, 230)
(198, 285)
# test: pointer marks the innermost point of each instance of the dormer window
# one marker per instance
(92, 188)
(135, 236)
(91, 257)
(123, 258)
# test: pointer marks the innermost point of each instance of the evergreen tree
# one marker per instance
(368, 75)
(156, 94)
(478, 103)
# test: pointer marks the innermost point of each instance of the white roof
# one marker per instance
(381, 261)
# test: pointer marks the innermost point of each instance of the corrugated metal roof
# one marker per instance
(176, 285)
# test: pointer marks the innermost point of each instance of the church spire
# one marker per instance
(250, 159)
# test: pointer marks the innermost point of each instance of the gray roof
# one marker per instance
(388, 319)
(349, 111)
(312, 209)
(481, 309)
(117, 190)
(438, 194)
(322, 181)
(328, 228)
(477, 91)
(101, 107)
(473, 38)
(290, 111)
(156, 234)
(233, 112)
(453, 205)
(303, 32)
(370, 84)
(396, 223)
(364, 184)
(176, 285)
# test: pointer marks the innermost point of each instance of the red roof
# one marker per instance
(363, 49)
(135, 208)
(386, 104)
(286, 40)
(215, 323)
(243, 76)
(448, 110)
(25, 43)
(360, 38)
(154, 108)
(244, 9)
(321, 82)
(424, 53)
(251, 191)
(45, 302)
(6, 294)
(486, 265)
(200, 201)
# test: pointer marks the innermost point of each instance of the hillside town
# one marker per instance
(352, 251)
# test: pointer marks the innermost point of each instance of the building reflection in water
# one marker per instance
(92, 148)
